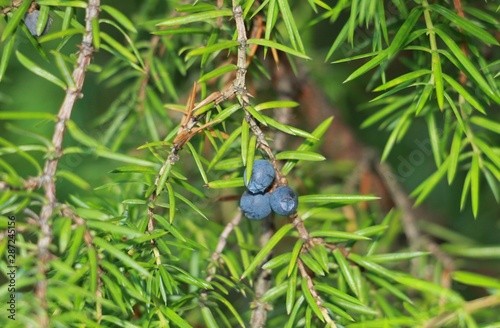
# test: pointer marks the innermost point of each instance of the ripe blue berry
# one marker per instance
(262, 176)
(284, 201)
(255, 206)
(31, 19)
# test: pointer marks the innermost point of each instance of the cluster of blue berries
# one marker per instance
(256, 203)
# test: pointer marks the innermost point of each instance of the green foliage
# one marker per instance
(143, 227)
(437, 54)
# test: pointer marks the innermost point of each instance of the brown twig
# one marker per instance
(460, 12)
(238, 87)
(220, 4)
(7, 9)
(29, 184)
(259, 314)
(263, 283)
(187, 129)
(284, 82)
(299, 225)
(416, 239)
(458, 7)
(283, 87)
(141, 98)
(48, 178)
(470, 307)
(217, 97)
(319, 301)
(221, 244)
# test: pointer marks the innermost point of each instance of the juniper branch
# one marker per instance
(187, 130)
(49, 172)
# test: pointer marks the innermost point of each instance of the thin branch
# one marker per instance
(283, 115)
(141, 98)
(319, 301)
(32, 183)
(259, 315)
(458, 7)
(187, 129)
(284, 82)
(48, 178)
(7, 9)
(220, 4)
(416, 239)
(218, 97)
(460, 12)
(222, 244)
(263, 283)
(469, 307)
(299, 225)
